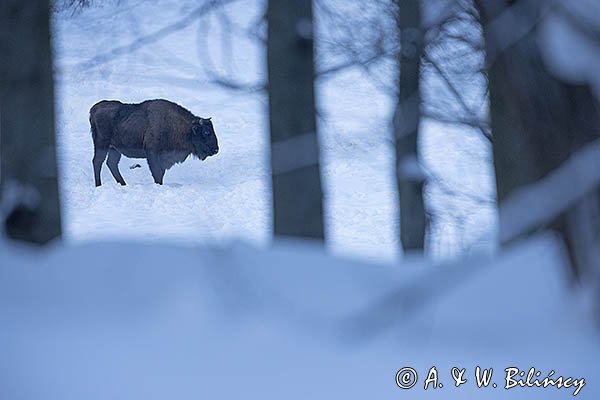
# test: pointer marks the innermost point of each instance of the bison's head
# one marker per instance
(204, 138)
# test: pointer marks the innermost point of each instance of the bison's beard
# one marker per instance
(200, 155)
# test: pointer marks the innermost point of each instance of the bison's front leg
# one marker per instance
(99, 156)
(155, 164)
(113, 164)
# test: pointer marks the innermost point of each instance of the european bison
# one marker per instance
(160, 131)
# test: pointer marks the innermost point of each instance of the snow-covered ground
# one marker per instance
(222, 197)
(138, 321)
(228, 196)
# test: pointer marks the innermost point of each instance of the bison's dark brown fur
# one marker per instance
(161, 131)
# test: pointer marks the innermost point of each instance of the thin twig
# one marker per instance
(484, 131)
(150, 38)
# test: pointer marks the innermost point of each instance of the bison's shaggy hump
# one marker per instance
(159, 130)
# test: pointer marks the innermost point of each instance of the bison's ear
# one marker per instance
(195, 129)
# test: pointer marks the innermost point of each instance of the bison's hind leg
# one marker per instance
(99, 156)
(113, 164)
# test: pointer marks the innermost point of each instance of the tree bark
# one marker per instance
(28, 176)
(410, 177)
(297, 195)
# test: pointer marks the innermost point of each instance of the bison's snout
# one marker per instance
(209, 152)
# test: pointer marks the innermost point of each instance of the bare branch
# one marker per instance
(349, 64)
(485, 131)
(208, 65)
(150, 38)
(579, 23)
(450, 191)
(447, 119)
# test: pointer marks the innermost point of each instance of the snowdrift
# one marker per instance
(142, 321)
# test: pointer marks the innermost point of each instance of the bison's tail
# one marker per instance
(93, 128)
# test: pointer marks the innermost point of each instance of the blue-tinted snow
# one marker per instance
(228, 196)
(144, 321)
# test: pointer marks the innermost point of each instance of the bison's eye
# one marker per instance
(206, 133)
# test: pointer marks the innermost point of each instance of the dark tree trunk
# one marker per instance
(28, 162)
(297, 195)
(410, 178)
(538, 121)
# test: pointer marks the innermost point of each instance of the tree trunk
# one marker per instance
(537, 120)
(28, 175)
(410, 177)
(297, 195)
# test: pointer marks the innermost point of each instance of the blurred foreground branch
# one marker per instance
(533, 207)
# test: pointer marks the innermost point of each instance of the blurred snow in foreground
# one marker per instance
(134, 321)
